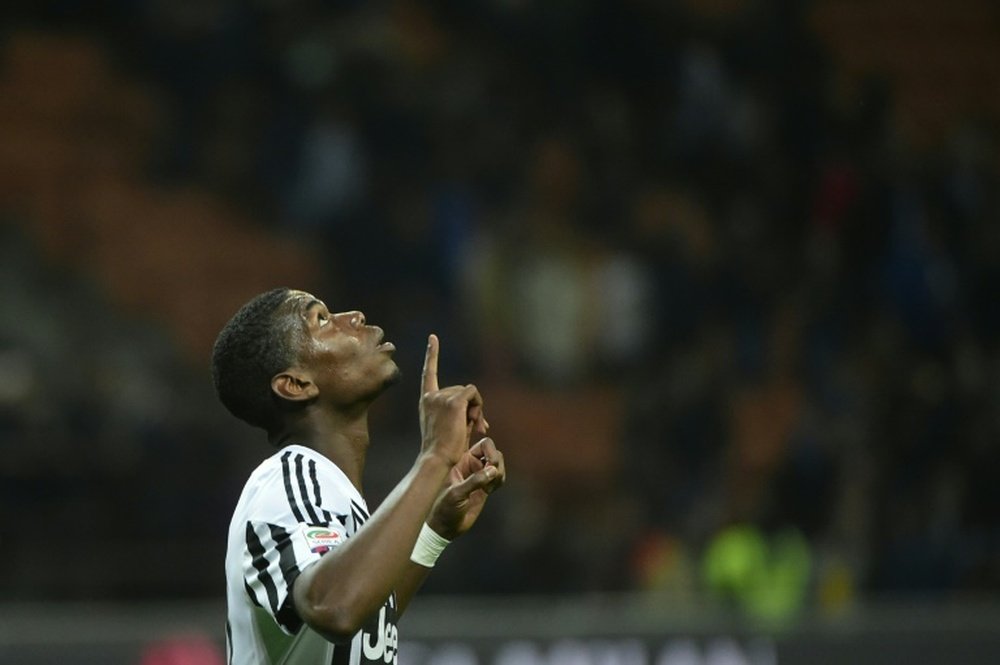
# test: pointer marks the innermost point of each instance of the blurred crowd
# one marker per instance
(736, 332)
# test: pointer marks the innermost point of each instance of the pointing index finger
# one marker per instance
(430, 375)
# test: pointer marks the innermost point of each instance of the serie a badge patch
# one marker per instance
(321, 539)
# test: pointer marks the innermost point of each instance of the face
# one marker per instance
(345, 357)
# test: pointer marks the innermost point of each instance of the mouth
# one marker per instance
(379, 344)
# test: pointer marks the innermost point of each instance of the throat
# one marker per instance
(341, 438)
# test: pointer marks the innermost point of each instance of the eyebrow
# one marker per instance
(312, 303)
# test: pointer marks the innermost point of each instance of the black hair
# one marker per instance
(254, 346)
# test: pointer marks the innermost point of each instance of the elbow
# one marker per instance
(338, 622)
(335, 611)
(334, 621)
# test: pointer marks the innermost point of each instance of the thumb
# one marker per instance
(479, 480)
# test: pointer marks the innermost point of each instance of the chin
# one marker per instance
(394, 376)
(390, 376)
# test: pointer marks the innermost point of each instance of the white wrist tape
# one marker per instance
(428, 547)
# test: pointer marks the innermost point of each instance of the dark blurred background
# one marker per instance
(726, 272)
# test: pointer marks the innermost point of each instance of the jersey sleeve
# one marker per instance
(287, 529)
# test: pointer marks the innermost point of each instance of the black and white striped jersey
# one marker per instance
(296, 507)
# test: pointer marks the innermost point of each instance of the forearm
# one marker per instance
(409, 583)
(336, 595)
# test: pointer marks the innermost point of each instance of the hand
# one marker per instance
(477, 474)
(448, 416)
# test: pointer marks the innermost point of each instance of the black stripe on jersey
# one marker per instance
(301, 477)
(315, 482)
(229, 643)
(251, 593)
(342, 654)
(319, 499)
(286, 473)
(359, 513)
(256, 549)
(287, 616)
(286, 555)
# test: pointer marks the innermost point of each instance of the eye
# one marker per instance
(323, 318)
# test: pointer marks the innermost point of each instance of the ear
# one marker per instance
(294, 386)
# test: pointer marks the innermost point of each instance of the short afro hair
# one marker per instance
(254, 346)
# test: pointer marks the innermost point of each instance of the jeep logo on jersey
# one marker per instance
(382, 643)
(321, 539)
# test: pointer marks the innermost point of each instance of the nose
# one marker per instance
(356, 318)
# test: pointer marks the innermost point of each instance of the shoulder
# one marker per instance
(263, 493)
(301, 484)
(267, 476)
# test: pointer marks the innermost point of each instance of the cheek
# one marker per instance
(338, 354)
(351, 367)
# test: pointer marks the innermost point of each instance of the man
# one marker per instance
(311, 576)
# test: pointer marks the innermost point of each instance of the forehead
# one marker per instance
(300, 301)
(293, 313)
(295, 310)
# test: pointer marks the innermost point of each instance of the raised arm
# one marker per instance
(338, 593)
(477, 474)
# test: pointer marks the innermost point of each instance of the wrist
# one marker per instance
(428, 547)
(443, 530)
(434, 461)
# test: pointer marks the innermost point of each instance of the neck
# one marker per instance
(339, 435)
